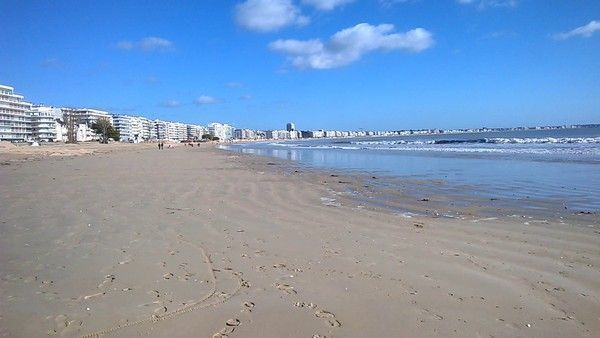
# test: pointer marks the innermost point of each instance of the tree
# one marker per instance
(207, 137)
(70, 120)
(105, 129)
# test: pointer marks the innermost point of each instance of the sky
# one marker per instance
(323, 64)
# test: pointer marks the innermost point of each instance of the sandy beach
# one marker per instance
(200, 242)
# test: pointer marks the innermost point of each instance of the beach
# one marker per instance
(128, 240)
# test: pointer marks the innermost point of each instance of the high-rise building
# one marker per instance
(85, 119)
(195, 132)
(15, 122)
(44, 123)
(123, 124)
(290, 126)
(222, 131)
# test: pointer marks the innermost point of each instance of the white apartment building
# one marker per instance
(283, 134)
(45, 125)
(160, 128)
(178, 131)
(123, 124)
(133, 129)
(14, 119)
(222, 131)
(148, 129)
(174, 131)
(246, 134)
(88, 117)
(195, 132)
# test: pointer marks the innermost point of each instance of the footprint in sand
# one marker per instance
(64, 326)
(303, 304)
(330, 317)
(160, 310)
(230, 326)
(286, 288)
(249, 306)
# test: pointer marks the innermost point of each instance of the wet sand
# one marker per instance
(196, 242)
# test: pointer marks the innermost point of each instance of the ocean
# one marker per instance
(561, 167)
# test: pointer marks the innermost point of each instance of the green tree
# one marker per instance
(105, 129)
(207, 137)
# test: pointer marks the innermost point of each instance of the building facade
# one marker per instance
(220, 130)
(15, 122)
(45, 123)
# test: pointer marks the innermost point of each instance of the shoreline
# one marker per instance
(201, 240)
(425, 197)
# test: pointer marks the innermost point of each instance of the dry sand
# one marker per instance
(196, 242)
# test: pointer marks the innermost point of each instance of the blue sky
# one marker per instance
(343, 64)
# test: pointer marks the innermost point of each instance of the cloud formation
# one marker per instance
(390, 3)
(268, 15)
(170, 104)
(585, 31)
(490, 3)
(350, 44)
(147, 44)
(205, 99)
(326, 5)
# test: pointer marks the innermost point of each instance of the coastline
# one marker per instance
(190, 240)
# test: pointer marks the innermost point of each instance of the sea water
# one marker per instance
(561, 166)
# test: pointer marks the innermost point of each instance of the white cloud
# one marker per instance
(583, 31)
(147, 44)
(490, 3)
(326, 5)
(170, 104)
(205, 99)
(350, 44)
(390, 3)
(268, 15)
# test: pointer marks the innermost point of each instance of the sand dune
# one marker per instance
(197, 242)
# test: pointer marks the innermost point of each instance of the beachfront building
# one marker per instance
(179, 131)
(148, 129)
(123, 124)
(15, 122)
(290, 126)
(45, 123)
(85, 118)
(173, 131)
(134, 129)
(160, 128)
(195, 132)
(222, 131)
(248, 134)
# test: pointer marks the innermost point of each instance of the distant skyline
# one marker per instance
(322, 64)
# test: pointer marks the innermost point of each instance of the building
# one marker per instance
(290, 127)
(123, 124)
(195, 132)
(15, 122)
(173, 131)
(222, 131)
(87, 117)
(45, 125)
(178, 131)
(248, 134)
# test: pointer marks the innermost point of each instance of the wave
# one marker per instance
(545, 140)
